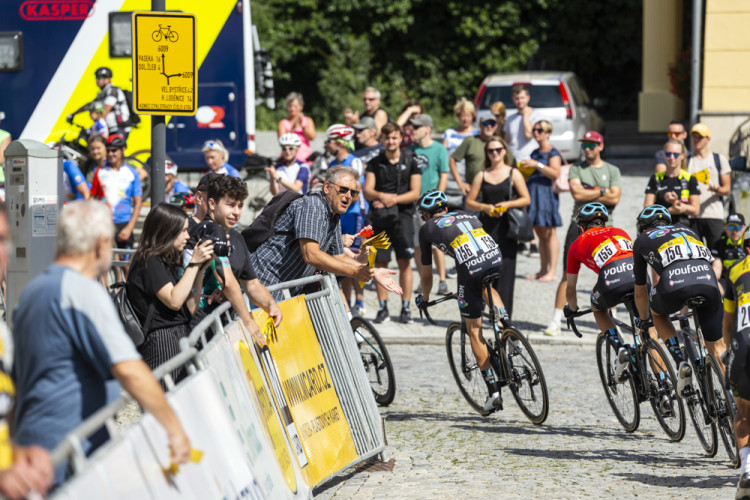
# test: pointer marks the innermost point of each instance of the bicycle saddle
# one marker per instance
(490, 278)
(694, 302)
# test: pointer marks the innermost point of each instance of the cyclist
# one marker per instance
(460, 235)
(683, 264)
(289, 174)
(736, 333)
(608, 251)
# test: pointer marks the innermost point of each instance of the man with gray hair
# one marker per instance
(308, 238)
(371, 99)
(70, 344)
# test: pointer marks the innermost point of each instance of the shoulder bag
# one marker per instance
(561, 185)
(519, 222)
(130, 321)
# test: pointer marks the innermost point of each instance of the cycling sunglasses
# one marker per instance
(489, 123)
(538, 130)
(734, 227)
(288, 148)
(670, 154)
(344, 190)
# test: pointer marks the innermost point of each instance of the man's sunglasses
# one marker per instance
(589, 145)
(734, 227)
(674, 135)
(113, 150)
(345, 190)
(670, 154)
(489, 123)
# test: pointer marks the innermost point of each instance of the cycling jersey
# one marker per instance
(737, 303)
(598, 246)
(117, 188)
(683, 264)
(729, 252)
(72, 178)
(461, 236)
(119, 117)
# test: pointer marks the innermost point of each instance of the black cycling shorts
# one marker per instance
(615, 281)
(470, 303)
(738, 367)
(687, 279)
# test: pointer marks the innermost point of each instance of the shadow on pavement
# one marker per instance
(683, 481)
(620, 455)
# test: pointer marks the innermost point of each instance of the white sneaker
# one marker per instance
(493, 403)
(684, 376)
(621, 363)
(553, 329)
(743, 487)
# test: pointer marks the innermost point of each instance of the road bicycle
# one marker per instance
(167, 33)
(649, 376)
(710, 404)
(375, 359)
(518, 369)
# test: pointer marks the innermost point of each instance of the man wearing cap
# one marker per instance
(119, 185)
(592, 180)
(432, 158)
(675, 130)
(366, 131)
(217, 156)
(519, 126)
(172, 184)
(730, 248)
(472, 151)
(714, 179)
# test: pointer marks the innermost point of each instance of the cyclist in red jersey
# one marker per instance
(608, 251)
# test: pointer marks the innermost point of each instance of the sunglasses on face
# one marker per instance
(416, 127)
(734, 227)
(496, 151)
(110, 151)
(344, 190)
(670, 154)
(538, 130)
(489, 123)
(674, 135)
(369, 98)
(288, 148)
(589, 145)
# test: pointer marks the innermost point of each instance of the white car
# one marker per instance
(558, 97)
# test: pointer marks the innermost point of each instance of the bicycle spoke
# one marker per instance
(622, 396)
(527, 379)
(724, 410)
(667, 407)
(376, 361)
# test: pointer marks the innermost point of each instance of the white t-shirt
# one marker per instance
(520, 146)
(705, 171)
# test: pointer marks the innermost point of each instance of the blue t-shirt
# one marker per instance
(72, 178)
(67, 337)
(227, 169)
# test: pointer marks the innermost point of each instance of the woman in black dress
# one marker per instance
(163, 294)
(499, 187)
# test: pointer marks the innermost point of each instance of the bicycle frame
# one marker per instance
(691, 339)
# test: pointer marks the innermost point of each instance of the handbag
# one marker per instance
(561, 185)
(130, 321)
(519, 222)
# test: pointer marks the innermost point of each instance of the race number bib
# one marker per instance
(624, 243)
(683, 248)
(604, 252)
(743, 312)
(466, 246)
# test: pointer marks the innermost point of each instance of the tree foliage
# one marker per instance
(436, 52)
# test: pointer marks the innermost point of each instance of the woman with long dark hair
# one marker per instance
(163, 294)
(500, 186)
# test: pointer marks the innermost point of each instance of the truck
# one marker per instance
(50, 49)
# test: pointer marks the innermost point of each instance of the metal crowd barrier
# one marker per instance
(200, 353)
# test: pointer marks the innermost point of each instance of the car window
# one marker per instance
(580, 96)
(542, 96)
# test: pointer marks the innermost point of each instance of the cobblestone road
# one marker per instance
(442, 448)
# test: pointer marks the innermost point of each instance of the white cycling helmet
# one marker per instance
(290, 139)
(339, 132)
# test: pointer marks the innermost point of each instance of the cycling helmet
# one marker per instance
(290, 139)
(170, 167)
(103, 72)
(651, 214)
(339, 132)
(591, 211)
(116, 141)
(432, 201)
(183, 199)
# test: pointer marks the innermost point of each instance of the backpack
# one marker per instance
(130, 321)
(262, 227)
(134, 119)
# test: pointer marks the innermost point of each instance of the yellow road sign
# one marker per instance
(165, 73)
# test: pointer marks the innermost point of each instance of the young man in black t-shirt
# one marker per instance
(225, 195)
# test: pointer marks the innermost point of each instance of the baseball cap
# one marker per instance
(203, 183)
(701, 129)
(103, 72)
(213, 145)
(486, 116)
(592, 136)
(365, 122)
(423, 120)
(736, 219)
(170, 167)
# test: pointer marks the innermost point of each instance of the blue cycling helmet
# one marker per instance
(591, 211)
(432, 201)
(652, 214)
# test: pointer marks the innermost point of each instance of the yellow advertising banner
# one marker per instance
(304, 392)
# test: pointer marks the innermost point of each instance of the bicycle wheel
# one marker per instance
(465, 368)
(156, 36)
(622, 396)
(671, 419)
(173, 36)
(376, 361)
(697, 405)
(724, 409)
(527, 382)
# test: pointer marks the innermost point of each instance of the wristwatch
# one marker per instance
(602, 190)
(540, 165)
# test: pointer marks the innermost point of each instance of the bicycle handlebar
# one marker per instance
(423, 306)
(572, 323)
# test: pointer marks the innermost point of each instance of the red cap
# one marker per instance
(592, 136)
